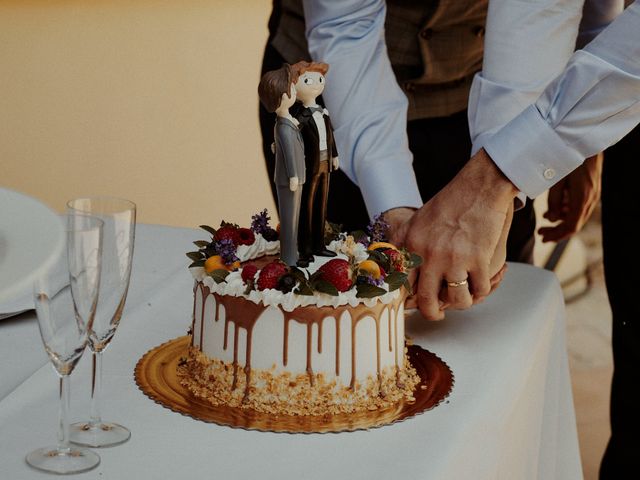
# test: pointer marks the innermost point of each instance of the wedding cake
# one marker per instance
(324, 339)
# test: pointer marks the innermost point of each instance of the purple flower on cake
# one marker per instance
(227, 250)
(260, 222)
(377, 229)
(368, 279)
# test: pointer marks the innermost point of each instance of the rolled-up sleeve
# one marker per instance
(368, 109)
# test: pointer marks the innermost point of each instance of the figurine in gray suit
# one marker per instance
(277, 93)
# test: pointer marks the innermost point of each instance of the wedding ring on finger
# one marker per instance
(461, 283)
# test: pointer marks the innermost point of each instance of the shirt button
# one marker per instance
(427, 33)
(478, 31)
(549, 173)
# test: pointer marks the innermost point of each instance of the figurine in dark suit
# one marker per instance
(278, 94)
(321, 158)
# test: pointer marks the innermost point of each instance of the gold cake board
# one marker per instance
(156, 375)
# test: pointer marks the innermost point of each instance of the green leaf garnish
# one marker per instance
(194, 255)
(381, 259)
(209, 229)
(197, 263)
(219, 275)
(395, 280)
(315, 276)
(303, 288)
(201, 243)
(415, 260)
(299, 274)
(325, 287)
(366, 290)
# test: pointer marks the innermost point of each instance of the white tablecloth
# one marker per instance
(510, 415)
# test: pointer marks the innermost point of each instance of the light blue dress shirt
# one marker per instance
(368, 109)
(591, 105)
(527, 44)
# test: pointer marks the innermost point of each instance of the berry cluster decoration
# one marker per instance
(235, 234)
(385, 263)
(218, 256)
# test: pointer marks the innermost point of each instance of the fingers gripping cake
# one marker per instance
(328, 338)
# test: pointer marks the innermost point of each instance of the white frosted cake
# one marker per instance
(325, 339)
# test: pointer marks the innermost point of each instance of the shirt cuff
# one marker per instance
(531, 154)
(384, 187)
(521, 198)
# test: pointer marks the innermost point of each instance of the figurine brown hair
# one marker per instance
(273, 84)
(300, 67)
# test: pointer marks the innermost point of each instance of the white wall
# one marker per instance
(154, 101)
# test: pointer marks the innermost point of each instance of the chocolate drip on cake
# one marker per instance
(375, 312)
(309, 316)
(242, 313)
(378, 350)
(205, 295)
(285, 342)
(358, 313)
(309, 367)
(337, 319)
(395, 339)
(316, 315)
(193, 315)
(390, 338)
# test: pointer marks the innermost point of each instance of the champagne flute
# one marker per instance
(119, 217)
(66, 296)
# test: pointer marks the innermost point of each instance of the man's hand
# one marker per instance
(336, 163)
(399, 220)
(572, 200)
(460, 234)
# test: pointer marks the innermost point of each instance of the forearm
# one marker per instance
(368, 109)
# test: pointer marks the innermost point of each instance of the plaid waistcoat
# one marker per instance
(435, 48)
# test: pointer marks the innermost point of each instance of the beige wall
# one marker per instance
(154, 101)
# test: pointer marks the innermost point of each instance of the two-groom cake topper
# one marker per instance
(305, 153)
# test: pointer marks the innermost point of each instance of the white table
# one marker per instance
(510, 415)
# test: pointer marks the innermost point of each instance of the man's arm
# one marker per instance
(527, 44)
(590, 106)
(368, 109)
(519, 63)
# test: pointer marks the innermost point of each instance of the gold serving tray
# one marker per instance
(156, 375)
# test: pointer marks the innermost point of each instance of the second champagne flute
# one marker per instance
(119, 217)
(65, 296)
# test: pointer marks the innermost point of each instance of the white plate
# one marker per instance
(31, 238)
